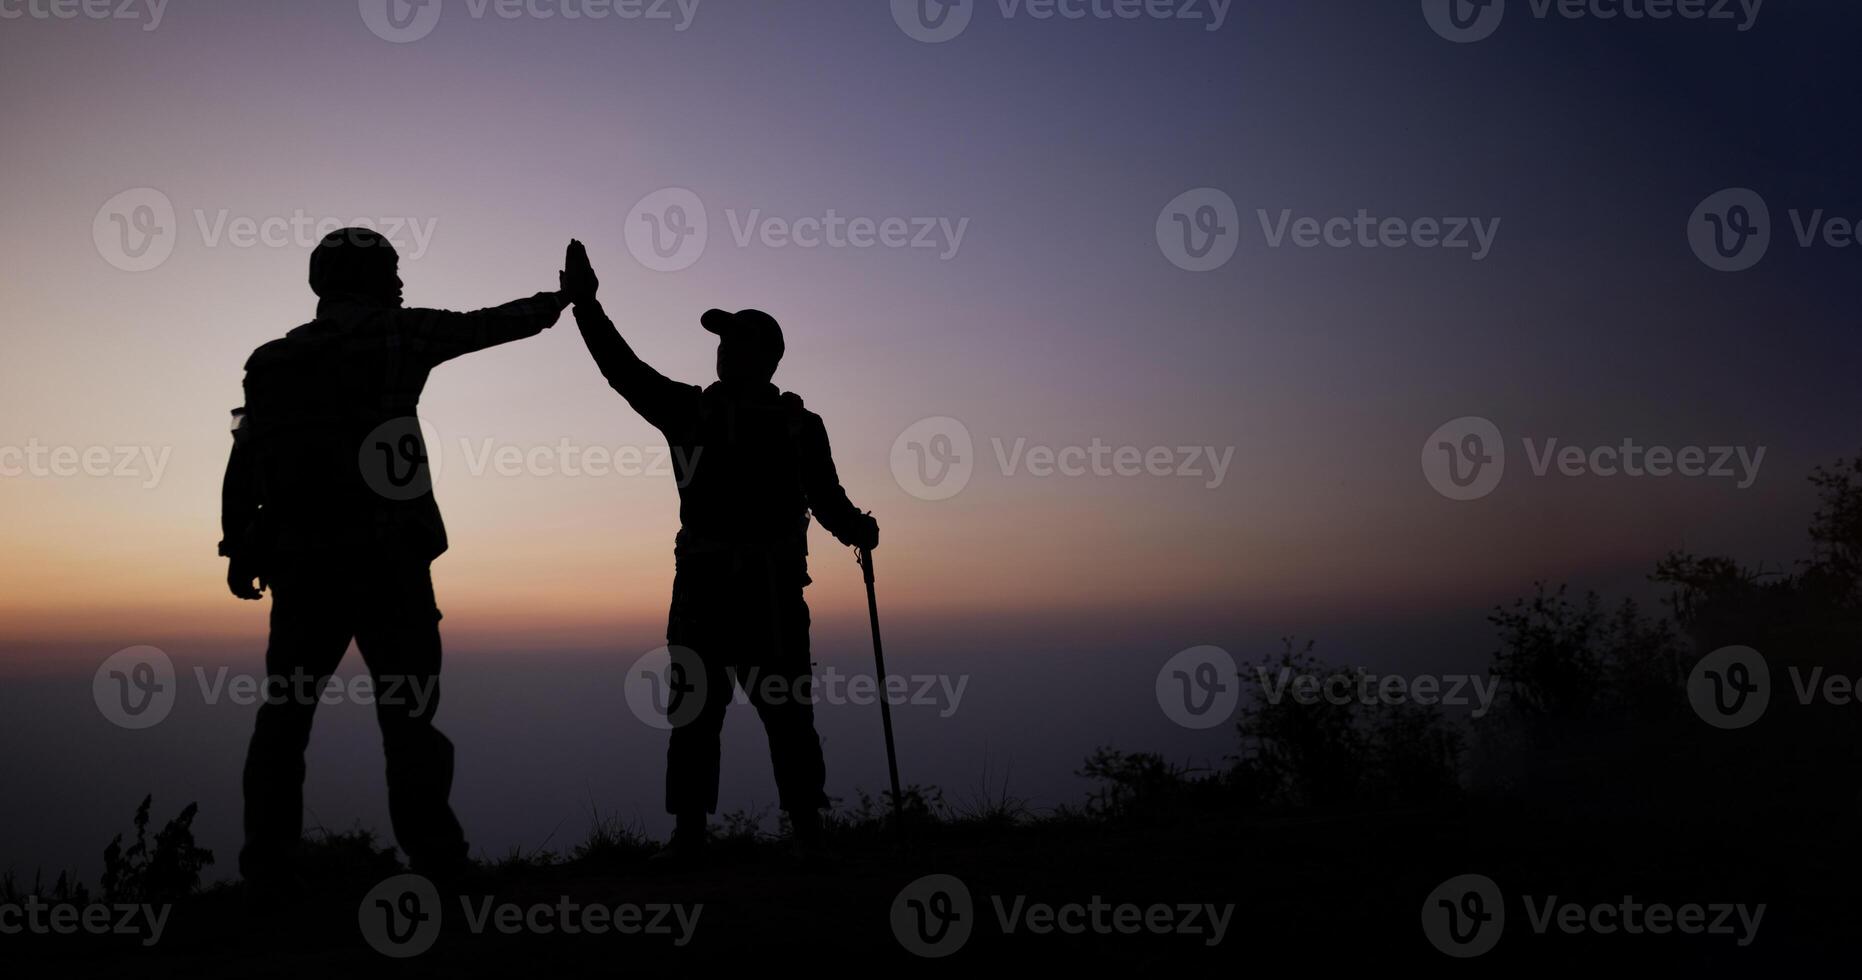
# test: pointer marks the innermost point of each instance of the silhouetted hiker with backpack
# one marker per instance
(328, 501)
(752, 464)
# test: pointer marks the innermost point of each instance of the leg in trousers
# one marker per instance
(310, 632)
(399, 639)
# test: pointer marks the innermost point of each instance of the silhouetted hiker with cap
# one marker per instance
(753, 463)
(329, 503)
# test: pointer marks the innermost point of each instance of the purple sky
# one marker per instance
(1057, 320)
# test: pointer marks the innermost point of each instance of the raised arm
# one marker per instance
(660, 400)
(437, 336)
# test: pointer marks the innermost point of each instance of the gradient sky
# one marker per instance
(1059, 321)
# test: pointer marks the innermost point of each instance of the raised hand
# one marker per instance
(578, 276)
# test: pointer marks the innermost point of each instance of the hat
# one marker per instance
(349, 256)
(752, 328)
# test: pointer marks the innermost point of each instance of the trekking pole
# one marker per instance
(885, 704)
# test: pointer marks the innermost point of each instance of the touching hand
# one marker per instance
(578, 278)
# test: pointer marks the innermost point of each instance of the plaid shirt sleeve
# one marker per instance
(430, 337)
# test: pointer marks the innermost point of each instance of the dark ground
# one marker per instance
(1338, 892)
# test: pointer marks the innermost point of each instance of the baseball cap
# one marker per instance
(753, 328)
